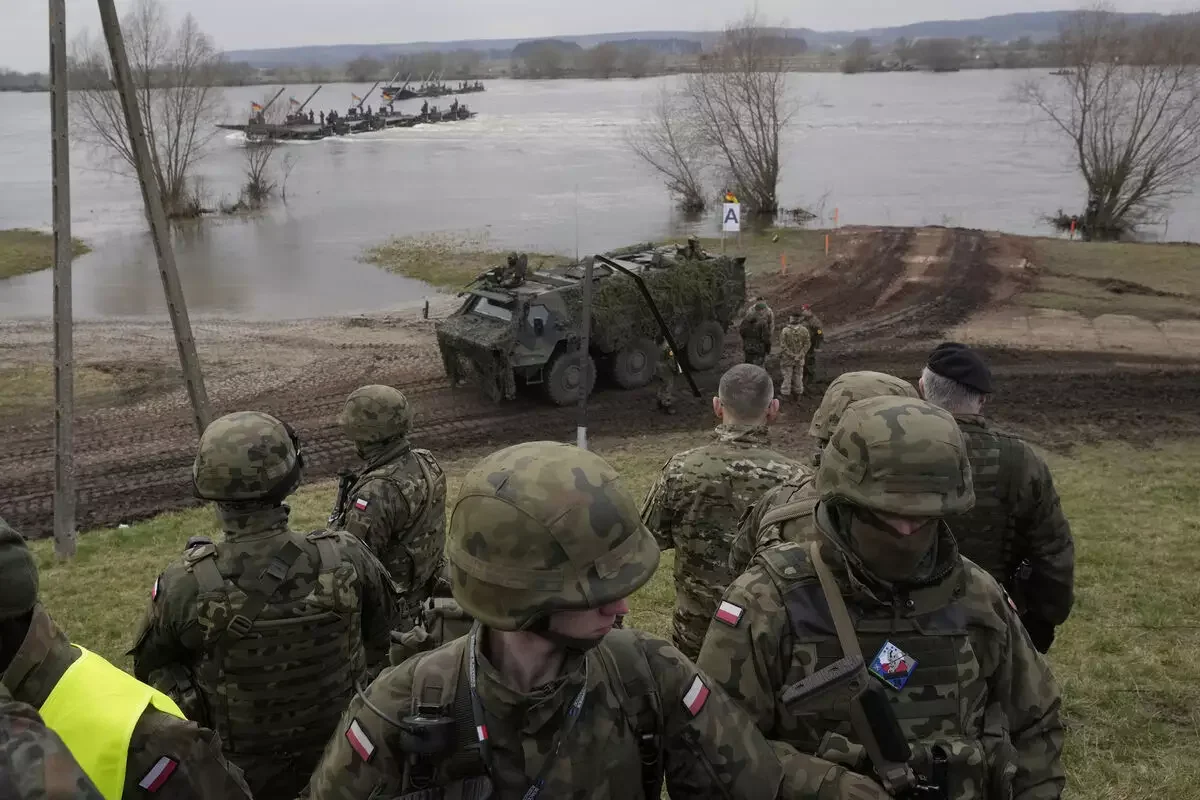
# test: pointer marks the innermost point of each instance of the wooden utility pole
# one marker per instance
(584, 372)
(64, 355)
(157, 217)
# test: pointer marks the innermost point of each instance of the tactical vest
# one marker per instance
(986, 534)
(423, 542)
(943, 705)
(277, 672)
(794, 516)
(440, 688)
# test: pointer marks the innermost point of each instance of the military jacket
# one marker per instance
(793, 503)
(757, 330)
(694, 507)
(1017, 517)
(398, 507)
(34, 762)
(976, 687)
(815, 328)
(200, 771)
(347, 609)
(794, 343)
(709, 749)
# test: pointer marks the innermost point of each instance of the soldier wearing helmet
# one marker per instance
(263, 635)
(757, 331)
(880, 625)
(784, 514)
(546, 697)
(397, 504)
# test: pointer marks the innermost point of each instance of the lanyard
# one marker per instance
(485, 748)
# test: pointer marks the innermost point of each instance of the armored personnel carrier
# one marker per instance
(518, 327)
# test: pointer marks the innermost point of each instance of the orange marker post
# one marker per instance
(1072, 229)
(835, 217)
(827, 244)
(783, 263)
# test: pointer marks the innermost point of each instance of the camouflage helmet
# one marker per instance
(375, 414)
(543, 527)
(850, 387)
(247, 455)
(898, 455)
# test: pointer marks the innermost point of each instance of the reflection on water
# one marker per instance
(545, 166)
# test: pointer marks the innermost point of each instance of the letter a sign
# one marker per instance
(731, 222)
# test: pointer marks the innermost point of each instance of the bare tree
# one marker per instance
(601, 60)
(1129, 102)
(636, 60)
(740, 106)
(858, 56)
(670, 143)
(175, 71)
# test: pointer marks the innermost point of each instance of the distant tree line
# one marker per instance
(13, 81)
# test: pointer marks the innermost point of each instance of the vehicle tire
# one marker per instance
(632, 367)
(564, 378)
(705, 346)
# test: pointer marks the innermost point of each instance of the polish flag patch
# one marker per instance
(696, 697)
(481, 732)
(153, 780)
(361, 503)
(730, 614)
(359, 740)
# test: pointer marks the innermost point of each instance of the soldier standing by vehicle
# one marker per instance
(757, 331)
(129, 739)
(786, 514)
(694, 505)
(397, 504)
(664, 377)
(795, 343)
(880, 650)
(1017, 530)
(816, 333)
(263, 635)
(545, 698)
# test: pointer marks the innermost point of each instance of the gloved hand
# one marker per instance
(1040, 632)
(852, 786)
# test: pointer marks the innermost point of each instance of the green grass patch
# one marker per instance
(27, 388)
(1093, 300)
(444, 260)
(1123, 660)
(803, 249)
(23, 250)
(1171, 268)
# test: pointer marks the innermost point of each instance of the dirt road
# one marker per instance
(885, 301)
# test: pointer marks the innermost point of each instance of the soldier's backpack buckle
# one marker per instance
(239, 626)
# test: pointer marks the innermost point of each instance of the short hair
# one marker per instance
(747, 391)
(950, 394)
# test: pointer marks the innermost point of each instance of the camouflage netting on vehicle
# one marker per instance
(687, 293)
(483, 344)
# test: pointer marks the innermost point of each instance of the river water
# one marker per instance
(544, 166)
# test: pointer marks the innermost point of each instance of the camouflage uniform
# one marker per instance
(263, 635)
(816, 335)
(540, 528)
(397, 505)
(34, 762)
(757, 331)
(791, 505)
(795, 342)
(664, 377)
(960, 676)
(1017, 530)
(694, 506)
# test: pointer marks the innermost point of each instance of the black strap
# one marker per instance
(275, 573)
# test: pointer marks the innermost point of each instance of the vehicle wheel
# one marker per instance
(564, 378)
(633, 366)
(705, 346)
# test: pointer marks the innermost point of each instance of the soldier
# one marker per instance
(130, 740)
(795, 343)
(757, 330)
(397, 504)
(879, 648)
(785, 514)
(694, 505)
(544, 697)
(34, 762)
(816, 333)
(1017, 530)
(264, 635)
(664, 377)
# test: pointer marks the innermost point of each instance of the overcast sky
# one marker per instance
(245, 24)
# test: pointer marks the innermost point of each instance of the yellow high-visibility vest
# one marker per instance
(94, 709)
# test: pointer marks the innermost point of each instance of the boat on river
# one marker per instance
(257, 130)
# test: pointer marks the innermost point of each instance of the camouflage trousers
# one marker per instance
(794, 374)
(664, 382)
(810, 367)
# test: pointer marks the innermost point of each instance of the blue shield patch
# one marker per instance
(893, 666)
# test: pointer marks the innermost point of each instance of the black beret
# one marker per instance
(962, 365)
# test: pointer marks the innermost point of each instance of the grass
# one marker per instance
(444, 260)
(27, 388)
(23, 250)
(1123, 660)
(803, 248)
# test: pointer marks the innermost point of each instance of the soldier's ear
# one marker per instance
(921, 387)
(718, 408)
(773, 409)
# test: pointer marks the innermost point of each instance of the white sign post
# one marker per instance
(731, 221)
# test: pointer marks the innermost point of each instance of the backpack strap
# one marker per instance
(276, 572)
(326, 542)
(201, 561)
(634, 685)
(787, 512)
(440, 687)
